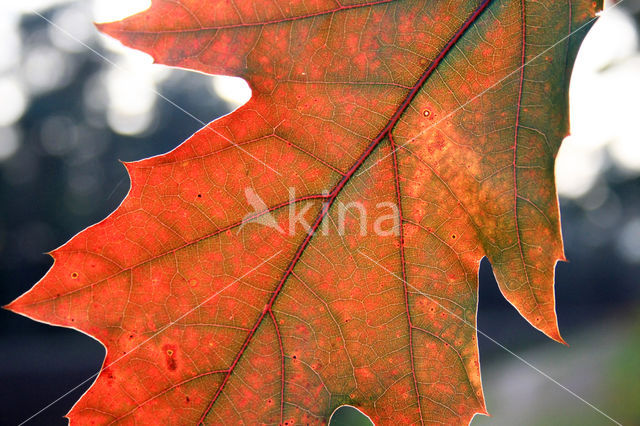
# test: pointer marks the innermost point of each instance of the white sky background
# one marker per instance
(605, 87)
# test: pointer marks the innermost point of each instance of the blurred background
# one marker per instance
(73, 103)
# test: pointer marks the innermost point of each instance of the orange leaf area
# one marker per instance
(320, 245)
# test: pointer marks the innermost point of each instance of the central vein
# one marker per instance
(384, 133)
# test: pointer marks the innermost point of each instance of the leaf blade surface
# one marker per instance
(426, 106)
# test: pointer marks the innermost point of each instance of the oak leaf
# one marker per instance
(216, 307)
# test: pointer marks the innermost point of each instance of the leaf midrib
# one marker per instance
(384, 133)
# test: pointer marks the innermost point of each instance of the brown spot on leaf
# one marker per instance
(170, 356)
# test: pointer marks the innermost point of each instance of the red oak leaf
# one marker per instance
(240, 280)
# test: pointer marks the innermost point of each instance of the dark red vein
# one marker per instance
(275, 325)
(385, 132)
(515, 146)
(396, 178)
(163, 392)
(309, 153)
(219, 231)
(255, 24)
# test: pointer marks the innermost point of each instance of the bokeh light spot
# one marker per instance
(113, 10)
(14, 100)
(46, 68)
(234, 90)
(604, 95)
(9, 142)
(629, 241)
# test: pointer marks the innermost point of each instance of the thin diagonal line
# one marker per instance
(492, 339)
(580, 28)
(205, 125)
(115, 188)
(153, 336)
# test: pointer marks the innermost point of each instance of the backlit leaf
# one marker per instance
(440, 120)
